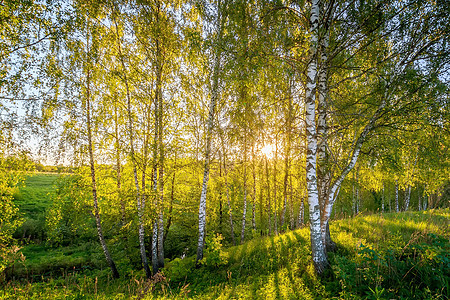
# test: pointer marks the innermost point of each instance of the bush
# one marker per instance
(214, 253)
(417, 271)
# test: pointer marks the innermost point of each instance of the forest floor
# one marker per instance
(379, 256)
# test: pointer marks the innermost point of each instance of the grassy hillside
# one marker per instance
(386, 256)
(33, 199)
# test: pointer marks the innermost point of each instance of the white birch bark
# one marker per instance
(269, 204)
(301, 214)
(160, 207)
(407, 197)
(425, 202)
(323, 174)
(317, 245)
(275, 161)
(396, 197)
(155, 264)
(210, 124)
(230, 210)
(254, 189)
(244, 213)
(98, 223)
(408, 192)
(140, 200)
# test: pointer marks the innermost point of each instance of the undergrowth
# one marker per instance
(389, 256)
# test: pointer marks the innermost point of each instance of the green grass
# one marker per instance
(34, 197)
(399, 256)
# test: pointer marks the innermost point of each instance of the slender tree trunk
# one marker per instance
(155, 267)
(323, 172)
(354, 194)
(317, 245)
(390, 205)
(161, 187)
(261, 200)
(118, 165)
(408, 192)
(230, 210)
(358, 201)
(254, 189)
(382, 200)
(220, 198)
(210, 124)
(301, 214)
(396, 196)
(407, 197)
(291, 205)
(172, 193)
(155, 246)
(425, 202)
(98, 222)
(275, 202)
(244, 213)
(287, 157)
(140, 200)
(286, 165)
(269, 204)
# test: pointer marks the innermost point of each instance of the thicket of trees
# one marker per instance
(188, 118)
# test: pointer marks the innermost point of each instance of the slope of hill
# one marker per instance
(403, 255)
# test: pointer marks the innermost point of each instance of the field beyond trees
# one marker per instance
(379, 256)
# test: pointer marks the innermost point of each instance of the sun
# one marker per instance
(268, 150)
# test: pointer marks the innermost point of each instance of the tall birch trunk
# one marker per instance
(317, 245)
(210, 124)
(118, 165)
(230, 210)
(254, 189)
(140, 200)
(425, 202)
(261, 200)
(172, 196)
(275, 160)
(354, 194)
(269, 204)
(286, 158)
(98, 222)
(301, 214)
(155, 267)
(323, 173)
(160, 208)
(396, 196)
(408, 192)
(407, 197)
(286, 163)
(357, 198)
(291, 205)
(244, 213)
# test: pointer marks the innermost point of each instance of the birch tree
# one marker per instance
(215, 75)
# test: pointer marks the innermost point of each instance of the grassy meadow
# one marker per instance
(379, 256)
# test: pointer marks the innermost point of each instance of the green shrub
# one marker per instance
(214, 252)
(418, 271)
